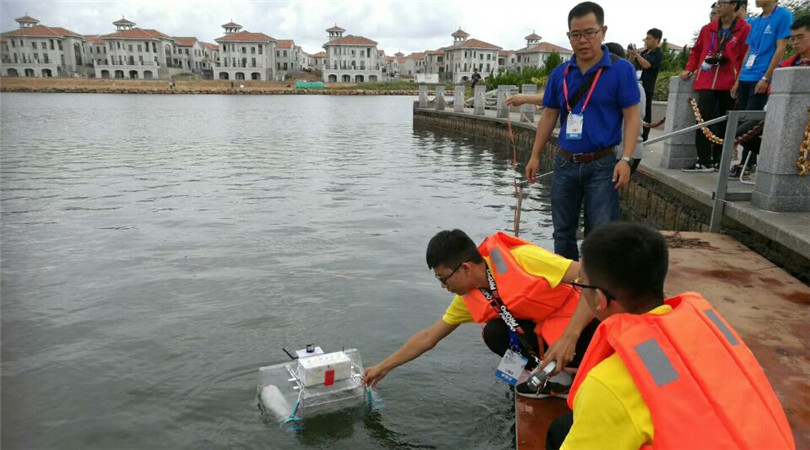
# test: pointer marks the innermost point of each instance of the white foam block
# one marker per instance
(312, 370)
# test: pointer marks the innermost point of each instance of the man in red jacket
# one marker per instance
(800, 39)
(714, 62)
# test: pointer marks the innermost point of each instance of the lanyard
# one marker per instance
(762, 25)
(723, 36)
(496, 303)
(588, 98)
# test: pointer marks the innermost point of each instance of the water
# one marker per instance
(156, 250)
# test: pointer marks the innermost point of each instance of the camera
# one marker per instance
(631, 46)
(715, 60)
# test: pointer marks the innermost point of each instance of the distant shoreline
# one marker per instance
(204, 87)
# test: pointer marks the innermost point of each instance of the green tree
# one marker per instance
(554, 59)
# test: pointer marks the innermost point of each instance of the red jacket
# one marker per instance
(722, 76)
(790, 61)
(703, 386)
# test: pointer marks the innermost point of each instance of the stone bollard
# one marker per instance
(679, 151)
(779, 186)
(439, 90)
(458, 98)
(528, 108)
(423, 98)
(478, 100)
(503, 110)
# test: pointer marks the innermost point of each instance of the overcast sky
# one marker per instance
(407, 26)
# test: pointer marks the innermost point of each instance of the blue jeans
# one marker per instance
(575, 183)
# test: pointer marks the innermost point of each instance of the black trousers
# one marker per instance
(647, 113)
(496, 336)
(712, 104)
(558, 430)
(749, 100)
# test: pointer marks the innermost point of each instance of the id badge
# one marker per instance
(638, 74)
(510, 368)
(750, 62)
(574, 125)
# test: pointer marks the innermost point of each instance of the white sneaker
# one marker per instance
(557, 386)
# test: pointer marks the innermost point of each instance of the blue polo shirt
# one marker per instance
(765, 32)
(615, 90)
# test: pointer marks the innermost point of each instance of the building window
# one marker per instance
(51, 44)
(285, 53)
(130, 47)
(260, 49)
(252, 62)
(139, 48)
(45, 55)
(244, 50)
(34, 44)
(252, 50)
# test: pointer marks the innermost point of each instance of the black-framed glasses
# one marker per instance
(580, 286)
(575, 36)
(443, 280)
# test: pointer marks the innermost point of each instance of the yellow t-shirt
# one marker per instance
(609, 411)
(534, 260)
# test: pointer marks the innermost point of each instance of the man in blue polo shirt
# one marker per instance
(591, 94)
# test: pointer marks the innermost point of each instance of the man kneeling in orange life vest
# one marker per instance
(520, 292)
(663, 374)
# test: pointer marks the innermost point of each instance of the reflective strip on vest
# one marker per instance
(723, 328)
(656, 362)
(497, 260)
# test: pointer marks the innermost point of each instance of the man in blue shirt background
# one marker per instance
(767, 43)
(591, 95)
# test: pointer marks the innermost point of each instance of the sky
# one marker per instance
(407, 26)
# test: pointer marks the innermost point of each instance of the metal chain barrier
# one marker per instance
(803, 163)
(750, 134)
(655, 124)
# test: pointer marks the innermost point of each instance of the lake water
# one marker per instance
(156, 250)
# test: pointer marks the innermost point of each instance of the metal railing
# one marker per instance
(733, 118)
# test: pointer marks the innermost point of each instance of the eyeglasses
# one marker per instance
(587, 34)
(580, 286)
(443, 280)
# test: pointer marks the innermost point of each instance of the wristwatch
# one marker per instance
(627, 159)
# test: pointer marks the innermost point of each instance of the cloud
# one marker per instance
(414, 25)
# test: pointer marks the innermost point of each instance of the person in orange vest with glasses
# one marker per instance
(660, 374)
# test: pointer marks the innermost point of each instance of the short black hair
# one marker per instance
(616, 49)
(801, 22)
(739, 4)
(629, 260)
(585, 8)
(655, 33)
(451, 248)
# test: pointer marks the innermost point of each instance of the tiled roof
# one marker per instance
(506, 53)
(533, 37)
(93, 38)
(437, 52)
(26, 19)
(135, 33)
(42, 31)
(185, 41)
(351, 40)
(210, 46)
(474, 43)
(123, 21)
(417, 56)
(231, 24)
(335, 28)
(401, 59)
(544, 47)
(285, 43)
(389, 58)
(319, 55)
(245, 36)
(460, 33)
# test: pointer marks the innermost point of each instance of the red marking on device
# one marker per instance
(329, 377)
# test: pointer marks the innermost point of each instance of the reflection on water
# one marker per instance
(156, 250)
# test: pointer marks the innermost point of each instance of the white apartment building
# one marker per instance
(35, 50)
(435, 63)
(319, 61)
(245, 56)
(133, 52)
(536, 53)
(210, 59)
(351, 58)
(412, 64)
(468, 54)
(507, 61)
(289, 58)
(190, 55)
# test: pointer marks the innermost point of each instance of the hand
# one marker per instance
(685, 75)
(621, 174)
(562, 351)
(734, 89)
(374, 375)
(762, 87)
(516, 100)
(531, 169)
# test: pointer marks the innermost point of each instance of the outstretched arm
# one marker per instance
(418, 343)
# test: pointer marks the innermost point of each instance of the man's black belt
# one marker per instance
(587, 157)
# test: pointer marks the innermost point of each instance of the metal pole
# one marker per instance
(686, 130)
(725, 163)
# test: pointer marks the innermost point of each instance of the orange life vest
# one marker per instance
(702, 384)
(526, 296)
